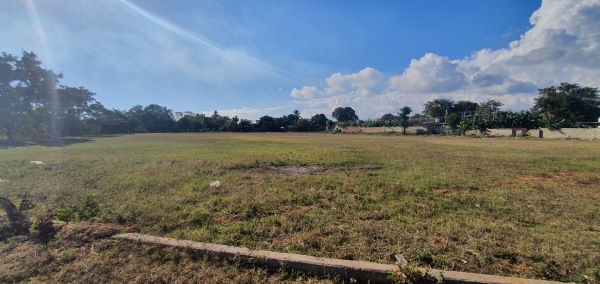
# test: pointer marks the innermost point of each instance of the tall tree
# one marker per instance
(268, 123)
(245, 125)
(463, 108)
(12, 110)
(108, 121)
(488, 108)
(319, 122)
(388, 117)
(230, 124)
(301, 125)
(27, 95)
(73, 109)
(343, 114)
(404, 118)
(438, 107)
(186, 123)
(290, 119)
(157, 118)
(214, 122)
(569, 102)
(135, 116)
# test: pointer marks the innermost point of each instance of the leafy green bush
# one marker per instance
(64, 214)
(88, 208)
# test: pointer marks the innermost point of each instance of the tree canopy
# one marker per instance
(569, 103)
(488, 108)
(438, 107)
(344, 114)
(404, 118)
(463, 108)
(28, 96)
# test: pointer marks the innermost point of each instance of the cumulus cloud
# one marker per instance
(563, 45)
(565, 36)
(305, 92)
(431, 73)
(361, 84)
(365, 87)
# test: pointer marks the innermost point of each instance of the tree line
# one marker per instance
(560, 106)
(34, 105)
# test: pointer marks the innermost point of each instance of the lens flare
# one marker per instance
(52, 92)
(235, 57)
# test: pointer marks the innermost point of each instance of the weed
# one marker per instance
(65, 214)
(88, 208)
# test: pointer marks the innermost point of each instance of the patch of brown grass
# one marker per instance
(81, 254)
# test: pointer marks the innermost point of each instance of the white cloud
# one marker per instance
(563, 45)
(364, 87)
(362, 83)
(305, 92)
(565, 37)
(430, 74)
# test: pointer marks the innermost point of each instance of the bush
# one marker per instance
(64, 214)
(88, 208)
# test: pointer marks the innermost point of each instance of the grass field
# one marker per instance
(513, 207)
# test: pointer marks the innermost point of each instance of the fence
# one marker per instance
(577, 133)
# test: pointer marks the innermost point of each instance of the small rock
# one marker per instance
(215, 184)
(37, 163)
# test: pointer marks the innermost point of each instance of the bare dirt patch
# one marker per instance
(309, 170)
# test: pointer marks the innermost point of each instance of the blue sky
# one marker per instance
(254, 58)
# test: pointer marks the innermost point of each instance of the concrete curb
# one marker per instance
(360, 270)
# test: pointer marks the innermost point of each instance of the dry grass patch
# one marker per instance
(514, 207)
(77, 255)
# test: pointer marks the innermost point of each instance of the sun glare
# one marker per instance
(231, 56)
(39, 29)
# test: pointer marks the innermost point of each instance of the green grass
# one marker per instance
(515, 207)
